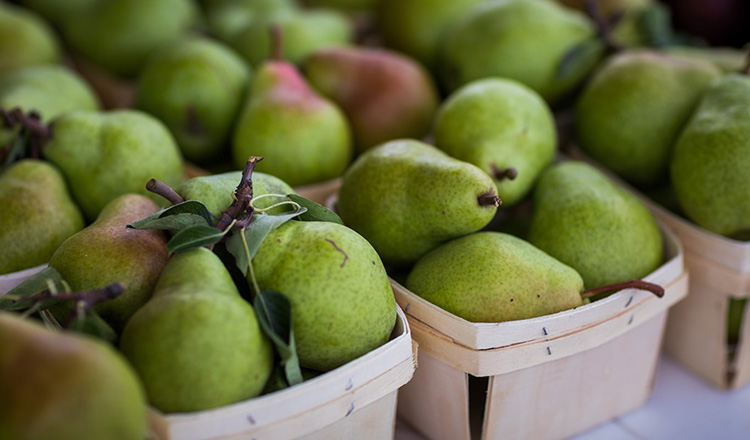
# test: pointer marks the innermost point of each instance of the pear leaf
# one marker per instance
(655, 25)
(93, 324)
(15, 150)
(194, 237)
(275, 318)
(261, 224)
(315, 211)
(580, 58)
(176, 217)
(21, 296)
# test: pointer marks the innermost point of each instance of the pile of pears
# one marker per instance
(167, 229)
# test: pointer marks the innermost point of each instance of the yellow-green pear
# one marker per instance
(25, 39)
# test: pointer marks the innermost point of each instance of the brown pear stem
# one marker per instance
(242, 199)
(88, 299)
(633, 284)
(31, 122)
(277, 43)
(604, 28)
(509, 173)
(489, 199)
(158, 187)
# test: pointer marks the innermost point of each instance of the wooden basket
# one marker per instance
(357, 400)
(548, 377)
(11, 280)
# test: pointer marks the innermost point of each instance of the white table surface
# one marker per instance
(681, 407)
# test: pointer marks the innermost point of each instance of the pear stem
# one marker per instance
(242, 199)
(158, 187)
(277, 43)
(633, 284)
(604, 27)
(489, 199)
(509, 173)
(31, 122)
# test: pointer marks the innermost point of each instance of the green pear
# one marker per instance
(38, 214)
(524, 40)
(104, 155)
(587, 222)
(631, 112)
(385, 95)
(51, 91)
(608, 8)
(25, 39)
(107, 252)
(195, 87)
(416, 27)
(406, 197)
(344, 5)
(504, 128)
(710, 162)
(303, 32)
(56, 11)
(228, 18)
(303, 137)
(120, 35)
(727, 59)
(342, 302)
(197, 344)
(217, 191)
(60, 386)
(495, 277)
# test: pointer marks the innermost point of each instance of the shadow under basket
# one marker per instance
(11, 280)
(356, 400)
(548, 377)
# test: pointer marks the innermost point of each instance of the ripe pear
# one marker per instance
(25, 39)
(495, 277)
(587, 222)
(197, 344)
(38, 214)
(503, 127)
(107, 252)
(709, 169)
(524, 40)
(631, 112)
(60, 386)
(304, 32)
(406, 197)
(50, 91)
(195, 87)
(104, 155)
(120, 35)
(342, 302)
(384, 95)
(217, 191)
(416, 27)
(303, 137)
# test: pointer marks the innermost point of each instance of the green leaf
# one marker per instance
(315, 211)
(580, 59)
(194, 237)
(176, 217)
(655, 25)
(260, 226)
(17, 149)
(35, 285)
(275, 317)
(93, 324)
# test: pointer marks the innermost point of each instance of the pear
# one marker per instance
(195, 87)
(342, 302)
(107, 252)
(709, 169)
(25, 39)
(384, 95)
(727, 59)
(56, 11)
(60, 386)
(504, 128)
(104, 155)
(416, 27)
(304, 33)
(631, 112)
(303, 137)
(51, 91)
(197, 344)
(344, 5)
(587, 222)
(608, 8)
(495, 277)
(406, 197)
(228, 18)
(38, 214)
(524, 40)
(120, 35)
(216, 192)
